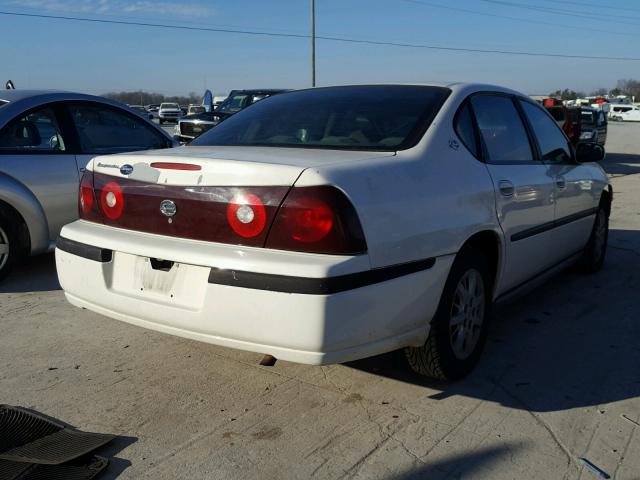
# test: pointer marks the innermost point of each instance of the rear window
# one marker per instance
(379, 117)
(587, 117)
(234, 103)
(557, 113)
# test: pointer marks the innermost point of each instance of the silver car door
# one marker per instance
(523, 188)
(34, 152)
(575, 189)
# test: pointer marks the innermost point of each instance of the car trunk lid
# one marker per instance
(189, 192)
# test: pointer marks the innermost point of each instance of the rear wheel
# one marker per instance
(9, 248)
(596, 249)
(459, 328)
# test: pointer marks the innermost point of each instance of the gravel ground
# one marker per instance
(560, 370)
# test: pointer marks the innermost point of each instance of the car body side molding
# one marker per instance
(544, 227)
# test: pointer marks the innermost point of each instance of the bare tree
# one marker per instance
(147, 98)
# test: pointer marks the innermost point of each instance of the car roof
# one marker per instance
(19, 100)
(261, 90)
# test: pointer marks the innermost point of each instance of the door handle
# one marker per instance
(561, 182)
(506, 188)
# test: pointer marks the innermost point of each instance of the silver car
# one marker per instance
(46, 139)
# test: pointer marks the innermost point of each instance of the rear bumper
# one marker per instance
(293, 311)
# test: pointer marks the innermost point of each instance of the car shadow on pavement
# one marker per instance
(621, 164)
(570, 343)
(116, 465)
(462, 464)
(34, 274)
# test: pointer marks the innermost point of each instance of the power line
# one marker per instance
(564, 12)
(324, 37)
(518, 19)
(594, 5)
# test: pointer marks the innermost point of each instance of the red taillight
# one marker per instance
(87, 208)
(85, 197)
(308, 219)
(246, 215)
(112, 200)
(318, 220)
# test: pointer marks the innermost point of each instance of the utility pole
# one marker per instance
(313, 43)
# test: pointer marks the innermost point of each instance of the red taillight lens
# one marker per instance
(112, 200)
(85, 194)
(246, 215)
(308, 219)
(87, 209)
(318, 220)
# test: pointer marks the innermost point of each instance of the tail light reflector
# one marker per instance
(246, 215)
(112, 200)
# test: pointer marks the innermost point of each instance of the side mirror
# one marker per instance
(589, 152)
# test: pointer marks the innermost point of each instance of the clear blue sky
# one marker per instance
(95, 58)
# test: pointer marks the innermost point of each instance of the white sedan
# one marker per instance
(326, 225)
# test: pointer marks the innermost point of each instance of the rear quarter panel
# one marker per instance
(423, 202)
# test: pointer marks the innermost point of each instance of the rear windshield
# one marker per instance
(588, 117)
(557, 113)
(379, 117)
(234, 103)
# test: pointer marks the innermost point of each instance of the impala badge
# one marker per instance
(168, 208)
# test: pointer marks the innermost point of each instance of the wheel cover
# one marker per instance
(600, 235)
(4, 248)
(467, 314)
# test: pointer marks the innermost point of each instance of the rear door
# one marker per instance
(103, 129)
(524, 188)
(575, 196)
(35, 150)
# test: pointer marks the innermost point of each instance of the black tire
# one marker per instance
(437, 358)
(9, 236)
(594, 253)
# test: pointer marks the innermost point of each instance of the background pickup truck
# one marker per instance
(169, 112)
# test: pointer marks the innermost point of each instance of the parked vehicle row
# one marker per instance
(46, 140)
(191, 126)
(331, 224)
(580, 124)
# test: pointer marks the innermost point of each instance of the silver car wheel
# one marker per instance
(467, 314)
(600, 235)
(4, 248)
